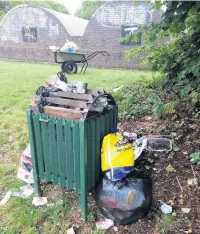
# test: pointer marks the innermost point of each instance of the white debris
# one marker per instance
(186, 210)
(166, 209)
(27, 190)
(6, 198)
(71, 231)
(39, 201)
(104, 224)
(193, 181)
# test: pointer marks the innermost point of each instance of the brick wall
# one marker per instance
(102, 33)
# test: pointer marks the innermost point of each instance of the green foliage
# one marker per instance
(91, 218)
(168, 223)
(138, 99)
(88, 9)
(158, 106)
(98, 231)
(5, 6)
(178, 59)
(195, 157)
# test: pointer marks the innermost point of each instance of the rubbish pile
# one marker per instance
(72, 100)
(69, 47)
(121, 195)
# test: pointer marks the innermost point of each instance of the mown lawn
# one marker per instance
(19, 82)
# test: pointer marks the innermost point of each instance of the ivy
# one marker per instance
(178, 59)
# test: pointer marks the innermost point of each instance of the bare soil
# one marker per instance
(167, 186)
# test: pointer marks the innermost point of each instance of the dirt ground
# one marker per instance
(171, 188)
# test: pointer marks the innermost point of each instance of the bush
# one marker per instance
(137, 99)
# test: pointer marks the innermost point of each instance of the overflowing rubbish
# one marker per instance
(73, 100)
(124, 201)
(6, 198)
(104, 224)
(39, 201)
(117, 157)
(166, 209)
(25, 171)
(70, 47)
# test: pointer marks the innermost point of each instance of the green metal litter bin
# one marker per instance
(67, 152)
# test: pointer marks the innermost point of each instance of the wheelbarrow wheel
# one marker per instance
(70, 67)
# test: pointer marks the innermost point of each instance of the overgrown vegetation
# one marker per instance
(5, 6)
(139, 99)
(178, 59)
(88, 9)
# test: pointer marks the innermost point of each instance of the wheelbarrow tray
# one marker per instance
(70, 57)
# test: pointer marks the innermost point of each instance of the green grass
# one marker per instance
(19, 82)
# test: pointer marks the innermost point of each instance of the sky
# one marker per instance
(71, 5)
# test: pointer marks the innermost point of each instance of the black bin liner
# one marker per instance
(124, 201)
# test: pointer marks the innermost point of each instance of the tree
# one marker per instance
(178, 59)
(5, 6)
(88, 9)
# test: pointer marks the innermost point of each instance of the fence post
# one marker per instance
(83, 167)
(33, 153)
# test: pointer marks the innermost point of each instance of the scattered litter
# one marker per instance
(117, 157)
(193, 181)
(166, 209)
(27, 190)
(138, 151)
(71, 231)
(114, 228)
(104, 224)
(157, 144)
(39, 201)
(186, 210)
(132, 136)
(6, 198)
(17, 194)
(25, 171)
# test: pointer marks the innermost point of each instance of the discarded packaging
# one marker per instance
(6, 198)
(39, 201)
(124, 201)
(166, 209)
(27, 190)
(104, 224)
(186, 210)
(117, 157)
(137, 152)
(25, 171)
(157, 144)
(130, 135)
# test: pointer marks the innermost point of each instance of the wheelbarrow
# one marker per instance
(69, 60)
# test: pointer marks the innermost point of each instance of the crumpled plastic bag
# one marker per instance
(117, 157)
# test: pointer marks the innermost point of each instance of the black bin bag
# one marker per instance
(124, 201)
